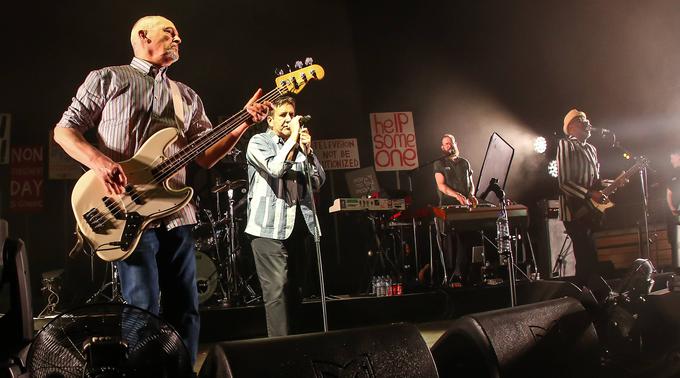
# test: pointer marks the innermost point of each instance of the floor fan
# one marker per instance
(108, 340)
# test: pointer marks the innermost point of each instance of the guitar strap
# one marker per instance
(178, 105)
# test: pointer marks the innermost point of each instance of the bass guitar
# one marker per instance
(113, 225)
(598, 208)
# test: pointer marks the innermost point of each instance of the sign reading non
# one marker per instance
(394, 141)
(26, 179)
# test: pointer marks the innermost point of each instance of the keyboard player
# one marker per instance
(453, 176)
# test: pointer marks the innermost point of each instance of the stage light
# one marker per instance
(540, 145)
(552, 168)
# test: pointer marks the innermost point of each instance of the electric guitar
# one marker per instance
(113, 225)
(598, 208)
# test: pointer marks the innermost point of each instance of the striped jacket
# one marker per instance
(579, 171)
(127, 104)
(269, 215)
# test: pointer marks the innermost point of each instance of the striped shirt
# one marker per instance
(128, 104)
(270, 215)
(579, 171)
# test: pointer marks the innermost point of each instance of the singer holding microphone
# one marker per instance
(280, 215)
(455, 186)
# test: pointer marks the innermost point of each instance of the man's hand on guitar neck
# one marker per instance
(111, 174)
(258, 111)
(598, 196)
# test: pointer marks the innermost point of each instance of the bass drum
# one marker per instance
(206, 277)
(206, 233)
(204, 237)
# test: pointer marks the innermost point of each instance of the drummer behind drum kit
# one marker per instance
(218, 276)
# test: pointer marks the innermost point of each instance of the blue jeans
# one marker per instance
(164, 261)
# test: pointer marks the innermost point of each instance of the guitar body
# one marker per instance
(112, 224)
(602, 207)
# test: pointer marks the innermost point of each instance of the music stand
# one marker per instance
(497, 160)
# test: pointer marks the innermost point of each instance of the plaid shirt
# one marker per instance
(127, 104)
(269, 214)
(579, 171)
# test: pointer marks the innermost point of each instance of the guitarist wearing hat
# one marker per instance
(579, 173)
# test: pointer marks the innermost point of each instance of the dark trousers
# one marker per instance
(278, 264)
(458, 252)
(164, 262)
(585, 252)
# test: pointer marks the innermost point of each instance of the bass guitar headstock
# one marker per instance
(641, 162)
(295, 81)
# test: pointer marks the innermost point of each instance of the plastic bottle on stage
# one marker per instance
(396, 287)
(390, 292)
(374, 284)
(382, 289)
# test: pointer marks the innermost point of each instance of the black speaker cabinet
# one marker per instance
(16, 325)
(554, 338)
(384, 351)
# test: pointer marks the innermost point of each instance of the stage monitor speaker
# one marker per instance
(554, 338)
(16, 326)
(659, 323)
(384, 351)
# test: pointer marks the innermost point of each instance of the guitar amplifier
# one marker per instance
(552, 209)
(556, 254)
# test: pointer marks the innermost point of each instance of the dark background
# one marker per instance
(465, 67)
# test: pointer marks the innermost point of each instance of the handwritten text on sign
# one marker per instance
(394, 141)
(26, 179)
(337, 153)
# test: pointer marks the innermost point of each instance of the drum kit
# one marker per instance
(220, 279)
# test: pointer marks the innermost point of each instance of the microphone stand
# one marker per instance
(504, 239)
(644, 224)
(317, 240)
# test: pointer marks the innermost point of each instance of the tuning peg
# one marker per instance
(289, 69)
(309, 61)
(298, 64)
(278, 71)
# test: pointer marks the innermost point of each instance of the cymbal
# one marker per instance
(223, 187)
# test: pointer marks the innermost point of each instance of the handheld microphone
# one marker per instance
(305, 120)
(603, 131)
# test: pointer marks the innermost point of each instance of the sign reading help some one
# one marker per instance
(394, 141)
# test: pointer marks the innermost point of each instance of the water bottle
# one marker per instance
(390, 292)
(372, 285)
